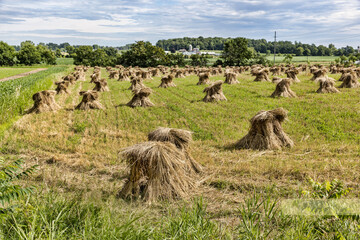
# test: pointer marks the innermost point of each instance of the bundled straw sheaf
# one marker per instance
(204, 78)
(141, 98)
(89, 101)
(44, 101)
(167, 81)
(350, 81)
(62, 87)
(283, 89)
(292, 74)
(101, 85)
(180, 138)
(266, 132)
(136, 83)
(230, 78)
(327, 85)
(158, 171)
(214, 92)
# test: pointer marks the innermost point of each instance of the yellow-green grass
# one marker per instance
(64, 61)
(79, 150)
(8, 72)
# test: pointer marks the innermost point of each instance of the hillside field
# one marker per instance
(78, 151)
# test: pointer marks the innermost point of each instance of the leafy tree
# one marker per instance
(83, 55)
(260, 59)
(70, 49)
(321, 50)
(47, 56)
(110, 51)
(9, 191)
(7, 54)
(144, 54)
(58, 53)
(307, 52)
(288, 58)
(236, 52)
(176, 59)
(199, 60)
(299, 51)
(28, 54)
(99, 58)
(352, 58)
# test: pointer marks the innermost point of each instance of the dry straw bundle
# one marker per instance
(167, 81)
(230, 78)
(44, 101)
(95, 76)
(214, 92)
(266, 132)
(124, 76)
(62, 87)
(101, 85)
(204, 78)
(261, 75)
(276, 80)
(292, 74)
(350, 81)
(114, 74)
(327, 85)
(319, 73)
(69, 78)
(89, 101)
(141, 98)
(136, 83)
(180, 138)
(275, 70)
(158, 171)
(179, 74)
(283, 89)
(146, 75)
(155, 72)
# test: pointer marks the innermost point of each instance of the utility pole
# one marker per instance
(274, 47)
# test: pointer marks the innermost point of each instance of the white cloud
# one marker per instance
(125, 25)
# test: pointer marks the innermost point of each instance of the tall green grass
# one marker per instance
(51, 216)
(56, 217)
(16, 95)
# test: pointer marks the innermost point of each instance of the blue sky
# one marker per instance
(116, 23)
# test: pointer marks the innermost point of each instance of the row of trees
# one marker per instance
(142, 54)
(28, 54)
(259, 45)
(215, 43)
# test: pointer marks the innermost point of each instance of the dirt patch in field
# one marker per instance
(22, 74)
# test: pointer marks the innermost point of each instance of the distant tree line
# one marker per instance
(27, 54)
(142, 54)
(259, 45)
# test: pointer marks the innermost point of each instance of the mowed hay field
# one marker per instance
(78, 151)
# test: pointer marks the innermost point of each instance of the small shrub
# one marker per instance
(327, 190)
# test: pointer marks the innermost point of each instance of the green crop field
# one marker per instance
(15, 95)
(81, 171)
(296, 59)
(8, 72)
(64, 61)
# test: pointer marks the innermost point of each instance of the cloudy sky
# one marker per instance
(118, 22)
